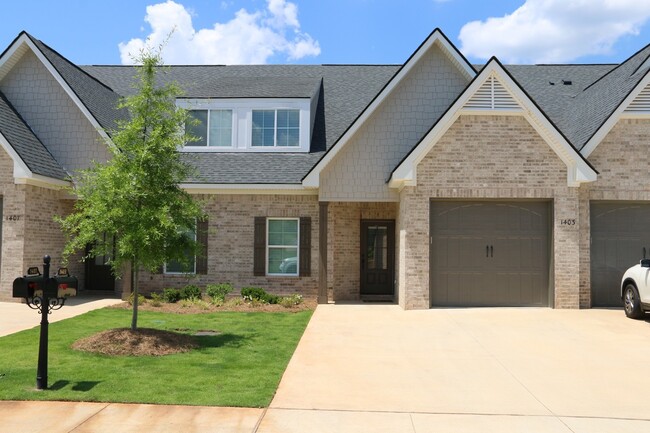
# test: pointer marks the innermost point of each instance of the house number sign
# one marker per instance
(568, 222)
(12, 217)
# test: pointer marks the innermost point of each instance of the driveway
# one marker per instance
(378, 368)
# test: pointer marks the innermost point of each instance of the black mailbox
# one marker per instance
(29, 285)
(62, 285)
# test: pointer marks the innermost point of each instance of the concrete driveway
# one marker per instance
(377, 368)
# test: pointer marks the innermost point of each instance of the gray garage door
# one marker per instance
(619, 233)
(489, 253)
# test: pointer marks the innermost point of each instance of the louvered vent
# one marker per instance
(492, 96)
(641, 103)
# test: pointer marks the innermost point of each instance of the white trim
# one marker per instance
(312, 180)
(297, 247)
(242, 113)
(247, 188)
(578, 171)
(619, 113)
(23, 175)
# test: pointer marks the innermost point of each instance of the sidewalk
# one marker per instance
(15, 316)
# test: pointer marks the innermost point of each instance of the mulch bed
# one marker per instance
(142, 342)
(231, 305)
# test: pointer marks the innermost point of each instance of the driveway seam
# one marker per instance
(89, 418)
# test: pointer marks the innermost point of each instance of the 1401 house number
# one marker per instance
(12, 218)
(568, 222)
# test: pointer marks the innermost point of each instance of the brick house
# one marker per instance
(432, 183)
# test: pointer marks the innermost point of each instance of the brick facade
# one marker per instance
(487, 157)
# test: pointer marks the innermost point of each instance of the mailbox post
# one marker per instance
(44, 294)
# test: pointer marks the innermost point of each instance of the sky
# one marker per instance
(331, 31)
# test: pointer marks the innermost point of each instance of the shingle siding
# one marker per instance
(52, 115)
(361, 169)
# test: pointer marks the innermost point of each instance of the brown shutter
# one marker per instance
(202, 240)
(259, 252)
(305, 247)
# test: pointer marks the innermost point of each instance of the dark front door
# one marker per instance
(377, 259)
(99, 275)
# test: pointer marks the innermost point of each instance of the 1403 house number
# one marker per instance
(568, 222)
(12, 217)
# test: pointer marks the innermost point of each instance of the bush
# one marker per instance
(141, 299)
(156, 299)
(191, 292)
(218, 292)
(290, 301)
(171, 295)
(259, 294)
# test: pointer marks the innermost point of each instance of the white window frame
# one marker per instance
(275, 128)
(297, 247)
(193, 272)
(193, 146)
(242, 117)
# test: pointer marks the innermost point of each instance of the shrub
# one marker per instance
(259, 294)
(194, 302)
(156, 299)
(290, 301)
(218, 292)
(141, 299)
(171, 295)
(191, 292)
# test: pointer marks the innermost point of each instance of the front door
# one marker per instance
(99, 275)
(377, 259)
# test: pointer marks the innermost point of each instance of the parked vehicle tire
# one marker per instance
(632, 302)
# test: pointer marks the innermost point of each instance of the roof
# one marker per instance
(577, 99)
(28, 147)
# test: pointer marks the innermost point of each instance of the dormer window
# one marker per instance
(212, 128)
(279, 128)
(248, 125)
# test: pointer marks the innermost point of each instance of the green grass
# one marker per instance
(241, 366)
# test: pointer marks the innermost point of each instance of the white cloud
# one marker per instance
(248, 38)
(553, 31)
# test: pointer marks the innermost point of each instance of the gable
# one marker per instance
(578, 169)
(436, 38)
(640, 105)
(492, 95)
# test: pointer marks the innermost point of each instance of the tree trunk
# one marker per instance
(135, 292)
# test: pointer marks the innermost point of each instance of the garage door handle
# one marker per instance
(487, 251)
(491, 251)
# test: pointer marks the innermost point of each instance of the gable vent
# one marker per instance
(492, 95)
(640, 104)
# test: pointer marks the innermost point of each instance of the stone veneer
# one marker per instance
(487, 157)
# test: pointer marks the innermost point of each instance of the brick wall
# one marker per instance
(487, 157)
(53, 116)
(344, 230)
(623, 161)
(360, 170)
(230, 244)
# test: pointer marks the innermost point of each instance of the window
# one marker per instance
(213, 128)
(276, 128)
(282, 246)
(174, 267)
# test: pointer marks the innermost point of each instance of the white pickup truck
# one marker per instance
(635, 290)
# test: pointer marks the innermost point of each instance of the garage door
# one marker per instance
(619, 233)
(489, 253)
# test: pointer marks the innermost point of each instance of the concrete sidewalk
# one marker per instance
(15, 316)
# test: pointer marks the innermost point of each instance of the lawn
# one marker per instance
(239, 366)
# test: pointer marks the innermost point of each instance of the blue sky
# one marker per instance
(334, 31)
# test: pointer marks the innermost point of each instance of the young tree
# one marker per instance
(132, 208)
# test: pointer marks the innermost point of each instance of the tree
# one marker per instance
(132, 208)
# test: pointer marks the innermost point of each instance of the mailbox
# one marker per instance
(62, 285)
(30, 285)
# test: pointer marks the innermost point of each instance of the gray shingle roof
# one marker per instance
(26, 144)
(100, 99)
(346, 91)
